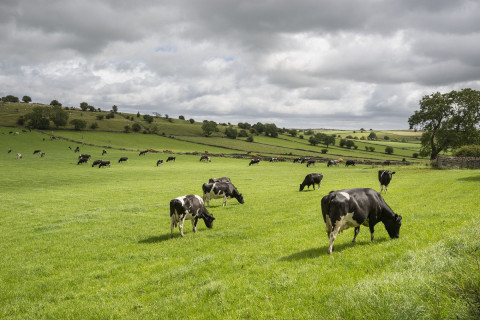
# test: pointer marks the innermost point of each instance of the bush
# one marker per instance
(250, 139)
(136, 127)
(243, 133)
(467, 151)
(94, 126)
(79, 124)
(324, 151)
(415, 155)
(389, 150)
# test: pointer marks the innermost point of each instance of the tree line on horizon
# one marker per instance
(448, 120)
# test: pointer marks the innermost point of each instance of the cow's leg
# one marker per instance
(224, 201)
(334, 233)
(180, 225)
(194, 224)
(355, 234)
(172, 224)
(371, 233)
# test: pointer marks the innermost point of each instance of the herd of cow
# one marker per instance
(341, 209)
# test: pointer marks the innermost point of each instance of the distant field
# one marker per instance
(86, 243)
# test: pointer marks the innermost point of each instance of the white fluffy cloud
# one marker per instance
(304, 64)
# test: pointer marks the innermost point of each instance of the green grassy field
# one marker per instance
(80, 242)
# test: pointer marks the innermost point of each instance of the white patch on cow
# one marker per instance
(346, 195)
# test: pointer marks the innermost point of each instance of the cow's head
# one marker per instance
(302, 186)
(393, 226)
(239, 197)
(208, 218)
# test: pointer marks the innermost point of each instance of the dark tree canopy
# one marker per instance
(209, 127)
(449, 120)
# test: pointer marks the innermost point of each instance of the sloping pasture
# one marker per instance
(80, 242)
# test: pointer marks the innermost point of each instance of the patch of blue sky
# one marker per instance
(169, 48)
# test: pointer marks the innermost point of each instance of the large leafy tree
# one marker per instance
(449, 120)
(58, 116)
(209, 127)
(38, 118)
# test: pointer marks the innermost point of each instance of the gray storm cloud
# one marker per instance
(300, 64)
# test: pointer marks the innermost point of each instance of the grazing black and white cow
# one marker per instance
(77, 149)
(9, 150)
(37, 151)
(384, 177)
(104, 164)
(159, 162)
(273, 159)
(84, 156)
(297, 160)
(223, 190)
(349, 208)
(104, 152)
(122, 159)
(96, 163)
(19, 156)
(311, 179)
(311, 162)
(142, 153)
(254, 161)
(349, 163)
(332, 163)
(304, 160)
(82, 160)
(171, 159)
(205, 158)
(42, 155)
(222, 179)
(189, 207)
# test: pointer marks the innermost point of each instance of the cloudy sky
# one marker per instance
(342, 64)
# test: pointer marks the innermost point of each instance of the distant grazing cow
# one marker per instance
(299, 160)
(36, 151)
(19, 156)
(311, 179)
(347, 208)
(96, 163)
(273, 159)
(254, 161)
(384, 177)
(304, 160)
(205, 158)
(122, 159)
(142, 153)
(349, 163)
(332, 163)
(77, 149)
(104, 164)
(218, 190)
(42, 154)
(171, 159)
(82, 160)
(84, 156)
(222, 179)
(104, 152)
(159, 162)
(311, 162)
(189, 207)
(9, 150)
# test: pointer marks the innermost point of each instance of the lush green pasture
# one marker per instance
(80, 242)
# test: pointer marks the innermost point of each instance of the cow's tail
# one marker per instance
(326, 200)
(172, 211)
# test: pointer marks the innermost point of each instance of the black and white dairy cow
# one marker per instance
(218, 190)
(122, 159)
(311, 179)
(254, 161)
(348, 208)
(384, 177)
(189, 207)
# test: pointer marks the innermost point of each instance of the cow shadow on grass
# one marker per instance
(472, 178)
(322, 251)
(156, 239)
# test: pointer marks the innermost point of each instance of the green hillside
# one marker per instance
(182, 136)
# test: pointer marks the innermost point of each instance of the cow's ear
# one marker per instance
(393, 172)
(398, 218)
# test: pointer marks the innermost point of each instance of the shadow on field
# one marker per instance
(164, 237)
(322, 251)
(474, 178)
